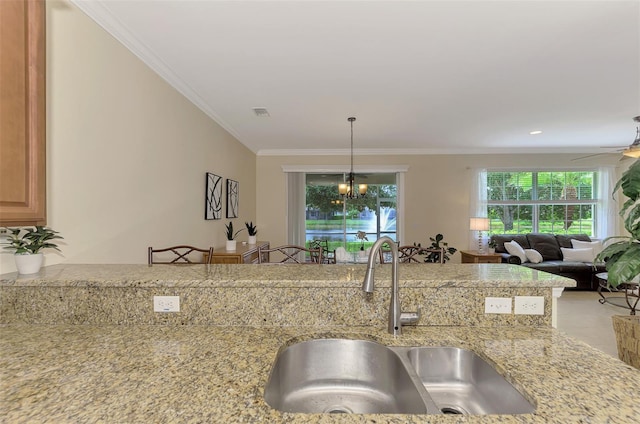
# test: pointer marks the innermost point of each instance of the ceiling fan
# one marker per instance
(630, 151)
(634, 148)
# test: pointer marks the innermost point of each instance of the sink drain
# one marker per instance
(338, 410)
(451, 411)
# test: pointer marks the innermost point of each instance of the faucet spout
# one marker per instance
(396, 316)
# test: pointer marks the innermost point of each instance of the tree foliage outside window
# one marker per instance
(558, 202)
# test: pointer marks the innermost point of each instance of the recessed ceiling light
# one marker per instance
(262, 112)
(536, 132)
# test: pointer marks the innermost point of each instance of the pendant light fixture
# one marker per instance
(348, 189)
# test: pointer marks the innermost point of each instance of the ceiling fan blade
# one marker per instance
(589, 156)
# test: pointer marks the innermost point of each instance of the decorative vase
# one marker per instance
(252, 239)
(231, 245)
(29, 264)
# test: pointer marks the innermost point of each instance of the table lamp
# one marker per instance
(479, 224)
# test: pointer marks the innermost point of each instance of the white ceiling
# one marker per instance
(420, 76)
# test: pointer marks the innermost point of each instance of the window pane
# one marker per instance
(337, 220)
(514, 206)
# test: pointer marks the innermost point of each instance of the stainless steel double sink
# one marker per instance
(365, 377)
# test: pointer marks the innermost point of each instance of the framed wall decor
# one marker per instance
(213, 198)
(232, 198)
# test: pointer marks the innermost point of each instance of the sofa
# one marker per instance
(556, 254)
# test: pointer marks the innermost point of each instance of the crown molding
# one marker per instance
(318, 169)
(99, 13)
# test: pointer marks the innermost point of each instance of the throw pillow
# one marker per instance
(513, 248)
(595, 245)
(533, 256)
(577, 255)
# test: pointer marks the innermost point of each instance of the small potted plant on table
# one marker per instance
(231, 236)
(27, 244)
(252, 230)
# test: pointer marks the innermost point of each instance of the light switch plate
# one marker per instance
(497, 305)
(166, 303)
(529, 305)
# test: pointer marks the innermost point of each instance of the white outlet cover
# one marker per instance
(497, 305)
(529, 305)
(166, 303)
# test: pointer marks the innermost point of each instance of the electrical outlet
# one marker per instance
(529, 305)
(497, 305)
(166, 303)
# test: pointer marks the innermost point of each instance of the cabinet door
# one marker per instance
(22, 113)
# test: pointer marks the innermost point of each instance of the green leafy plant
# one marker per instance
(28, 241)
(251, 229)
(229, 233)
(492, 243)
(622, 258)
(439, 244)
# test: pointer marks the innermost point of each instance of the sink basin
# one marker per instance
(359, 376)
(461, 382)
(342, 376)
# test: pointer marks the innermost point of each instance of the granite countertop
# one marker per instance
(142, 374)
(411, 275)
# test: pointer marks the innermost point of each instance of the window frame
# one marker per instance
(535, 203)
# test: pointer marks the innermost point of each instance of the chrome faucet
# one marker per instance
(396, 317)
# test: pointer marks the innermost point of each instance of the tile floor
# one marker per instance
(580, 315)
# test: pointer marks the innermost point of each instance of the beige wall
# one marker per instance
(437, 189)
(127, 154)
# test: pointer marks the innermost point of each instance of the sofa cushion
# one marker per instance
(561, 267)
(580, 255)
(533, 255)
(565, 240)
(516, 250)
(595, 245)
(546, 244)
(501, 239)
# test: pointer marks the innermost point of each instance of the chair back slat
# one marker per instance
(289, 253)
(180, 255)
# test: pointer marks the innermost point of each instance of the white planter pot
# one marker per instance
(231, 245)
(252, 239)
(29, 264)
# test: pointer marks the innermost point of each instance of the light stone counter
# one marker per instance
(310, 295)
(209, 374)
(411, 275)
(81, 343)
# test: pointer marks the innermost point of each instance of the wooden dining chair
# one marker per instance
(289, 253)
(410, 254)
(180, 255)
(328, 257)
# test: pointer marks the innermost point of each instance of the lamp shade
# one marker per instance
(479, 224)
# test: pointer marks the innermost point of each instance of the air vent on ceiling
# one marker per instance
(261, 112)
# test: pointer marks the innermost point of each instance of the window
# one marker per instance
(558, 202)
(330, 217)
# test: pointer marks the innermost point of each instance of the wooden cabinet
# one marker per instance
(474, 257)
(244, 254)
(22, 113)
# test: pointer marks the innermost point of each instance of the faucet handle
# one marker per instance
(409, 318)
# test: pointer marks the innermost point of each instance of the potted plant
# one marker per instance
(438, 243)
(27, 244)
(252, 230)
(492, 245)
(622, 259)
(231, 236)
